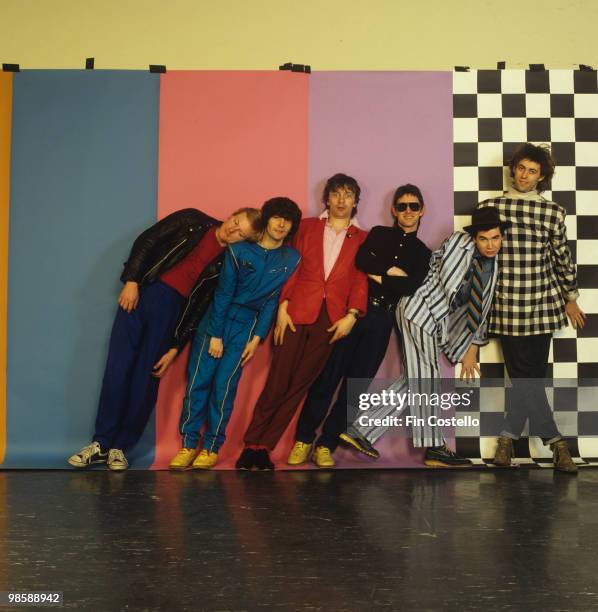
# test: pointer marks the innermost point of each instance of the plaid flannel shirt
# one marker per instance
(537, 276)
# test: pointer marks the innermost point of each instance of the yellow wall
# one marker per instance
(328, 34)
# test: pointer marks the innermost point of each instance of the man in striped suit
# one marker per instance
(447, 313)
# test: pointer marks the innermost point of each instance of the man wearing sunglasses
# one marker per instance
(396, 262)
(447, 313)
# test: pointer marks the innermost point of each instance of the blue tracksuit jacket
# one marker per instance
(244, 306)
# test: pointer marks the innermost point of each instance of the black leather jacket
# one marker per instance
(162, 246)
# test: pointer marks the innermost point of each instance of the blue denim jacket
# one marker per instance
(250, 284)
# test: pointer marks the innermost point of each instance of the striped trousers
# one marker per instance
(421, 374)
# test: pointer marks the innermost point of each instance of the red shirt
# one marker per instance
(183, 275)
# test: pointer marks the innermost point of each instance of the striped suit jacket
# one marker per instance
(430, 306)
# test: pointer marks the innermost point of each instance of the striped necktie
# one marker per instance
(474, 305)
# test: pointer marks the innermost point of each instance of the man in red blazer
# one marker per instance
(318, 306)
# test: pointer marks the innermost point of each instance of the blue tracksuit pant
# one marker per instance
(129, 390)
(212, 383)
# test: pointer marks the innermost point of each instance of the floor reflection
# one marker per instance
(343, 540)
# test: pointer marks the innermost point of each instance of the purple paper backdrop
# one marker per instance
(385, 129)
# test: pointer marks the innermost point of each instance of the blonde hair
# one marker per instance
(253, 216)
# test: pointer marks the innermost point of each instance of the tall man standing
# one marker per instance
(319, 305)
(169, 280)
(536, 292)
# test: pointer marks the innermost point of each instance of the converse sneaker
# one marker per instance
(92, 453)
(117, 460)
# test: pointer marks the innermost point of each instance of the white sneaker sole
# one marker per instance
(77, 464)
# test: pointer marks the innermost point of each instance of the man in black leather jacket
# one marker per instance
(169, 280)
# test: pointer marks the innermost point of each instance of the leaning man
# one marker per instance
(169, 280)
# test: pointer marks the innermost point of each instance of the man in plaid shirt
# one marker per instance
(536, 292)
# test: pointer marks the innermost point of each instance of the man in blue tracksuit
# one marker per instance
(244, 306)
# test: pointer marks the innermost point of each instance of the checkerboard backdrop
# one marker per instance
(494, 111)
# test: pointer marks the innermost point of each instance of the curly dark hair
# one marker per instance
(281, 207)
(342, 180)
(540, 154)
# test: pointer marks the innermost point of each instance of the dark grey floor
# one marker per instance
(333, 541)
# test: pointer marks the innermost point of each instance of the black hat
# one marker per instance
(484, 219)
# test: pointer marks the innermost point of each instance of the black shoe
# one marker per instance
(262, 460)
(442, 456)
(360, 443)
(247, 459)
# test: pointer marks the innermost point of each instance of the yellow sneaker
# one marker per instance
(323, 457)
(299, 453)
(205, 460)
(183, 459)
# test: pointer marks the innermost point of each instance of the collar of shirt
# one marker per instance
(403, 234)
(513, 194)
(354, 221)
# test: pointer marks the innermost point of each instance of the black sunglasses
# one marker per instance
(413, 206)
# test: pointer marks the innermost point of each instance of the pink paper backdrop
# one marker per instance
(227, 139)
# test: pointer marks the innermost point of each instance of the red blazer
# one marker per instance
(346, 286)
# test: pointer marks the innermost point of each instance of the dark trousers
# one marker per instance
(526, 360)
(357, 356)
(129, 390)
(295, 365)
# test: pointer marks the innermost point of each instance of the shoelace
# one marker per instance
(86, 452)
(117, 455)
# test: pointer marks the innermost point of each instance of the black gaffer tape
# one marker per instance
(295, 67)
